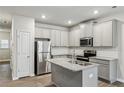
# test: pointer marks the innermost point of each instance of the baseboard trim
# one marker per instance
(15, 78)
(32, 75)
(121, 80)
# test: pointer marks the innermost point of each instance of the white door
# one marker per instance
(23, 53)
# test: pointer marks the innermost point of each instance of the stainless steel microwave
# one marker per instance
(86, 42)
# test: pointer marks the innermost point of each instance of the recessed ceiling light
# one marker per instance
(43, 17)
(96, 12)
(69, 22)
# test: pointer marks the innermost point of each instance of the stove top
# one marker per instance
(87, 54)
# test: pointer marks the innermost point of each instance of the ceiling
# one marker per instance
(59, 15)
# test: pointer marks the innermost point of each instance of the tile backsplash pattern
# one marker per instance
(105, 52)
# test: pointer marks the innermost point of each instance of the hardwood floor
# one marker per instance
(45, 81)
(5, 72)
(36, 81)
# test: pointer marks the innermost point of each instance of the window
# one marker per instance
(4, 43)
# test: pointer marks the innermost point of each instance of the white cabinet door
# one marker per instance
(74, 37)
(104, 33)
(71, 38)
(64, 38)
(46, 33)
(53, 37)
(38, 33)
(107, 33)
(97, 35)
(58, 37)
(42, 33)
(86, 30)
(77, 37)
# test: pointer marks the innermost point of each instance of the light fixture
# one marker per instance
(95, 11)
(43, 17)
(69, 22)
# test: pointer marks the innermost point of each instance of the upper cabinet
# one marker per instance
(42, 32)
(64, 38)
(86, 29)
(74, 37)
(58, 37)
(104, 34)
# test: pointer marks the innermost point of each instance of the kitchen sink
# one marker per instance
(82, 63)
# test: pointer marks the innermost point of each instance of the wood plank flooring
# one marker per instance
(45, 81)
(36, 81)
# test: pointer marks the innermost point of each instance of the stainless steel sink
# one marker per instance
(82, 63)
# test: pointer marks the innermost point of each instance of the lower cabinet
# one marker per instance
(103, 71)
(107, 69)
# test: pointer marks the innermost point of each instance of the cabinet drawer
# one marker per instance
(99, 61)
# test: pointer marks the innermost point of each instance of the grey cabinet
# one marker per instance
(107, 69)
(104, 34)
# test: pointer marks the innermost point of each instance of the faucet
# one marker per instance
(73, 56)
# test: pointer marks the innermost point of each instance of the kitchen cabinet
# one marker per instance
(59, 38)
(64, 38)
(42, 32)
(71, 38)
(107, 69)
(104, 34)
(86, 29)
(97, 40)
(55, 38)
(74, 37)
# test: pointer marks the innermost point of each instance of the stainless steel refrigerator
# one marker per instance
(42, 53)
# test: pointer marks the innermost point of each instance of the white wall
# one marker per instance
(4, 35)
(21, 22)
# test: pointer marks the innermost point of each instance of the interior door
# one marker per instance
(23, 53)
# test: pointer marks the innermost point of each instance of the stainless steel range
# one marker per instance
(86, 55)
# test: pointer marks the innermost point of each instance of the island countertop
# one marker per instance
(64, 62)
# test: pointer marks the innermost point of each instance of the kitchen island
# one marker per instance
(65, 73)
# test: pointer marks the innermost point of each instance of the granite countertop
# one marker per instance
(104, 58)
(63, 62)
(61, 54)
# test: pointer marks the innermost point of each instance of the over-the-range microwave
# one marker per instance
(86, 42)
